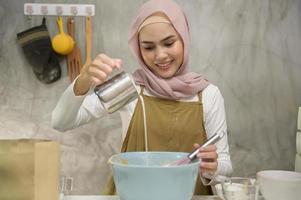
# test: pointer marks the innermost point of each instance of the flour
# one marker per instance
(237, 191)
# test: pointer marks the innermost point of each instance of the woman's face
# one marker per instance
(161, 48)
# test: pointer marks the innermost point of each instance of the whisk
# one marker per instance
(193, 155)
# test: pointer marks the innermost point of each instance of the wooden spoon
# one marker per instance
(74, 60)
(88, 41)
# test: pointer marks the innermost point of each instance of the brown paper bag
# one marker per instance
(29, 169)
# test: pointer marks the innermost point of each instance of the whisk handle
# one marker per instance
(212, 140)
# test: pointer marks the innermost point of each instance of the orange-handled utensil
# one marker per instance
(88, 41)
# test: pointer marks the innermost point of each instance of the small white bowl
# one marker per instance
(240, 188)
(280, 185)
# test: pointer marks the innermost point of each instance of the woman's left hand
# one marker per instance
(208, 157)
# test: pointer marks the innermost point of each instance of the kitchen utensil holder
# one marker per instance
(59, 9)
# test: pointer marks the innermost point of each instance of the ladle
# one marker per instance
(62, 43)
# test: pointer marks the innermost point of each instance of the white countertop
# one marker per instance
(73, 197)
(83, 197)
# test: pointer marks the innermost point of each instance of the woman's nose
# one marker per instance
(160, 53)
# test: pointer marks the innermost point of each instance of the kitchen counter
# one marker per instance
(71, 197)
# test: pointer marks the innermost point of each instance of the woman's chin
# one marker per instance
(166, 75)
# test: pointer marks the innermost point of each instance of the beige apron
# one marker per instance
(171, 126)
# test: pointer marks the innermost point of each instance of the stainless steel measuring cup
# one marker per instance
(116, 92)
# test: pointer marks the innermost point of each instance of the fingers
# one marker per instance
(111, 62)
(118, 63)
(208, 157)
(208, 148)
(101, 68)
(208, 167)
(208, 153)
(196, 145)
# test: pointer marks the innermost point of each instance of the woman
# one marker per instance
(182, 107)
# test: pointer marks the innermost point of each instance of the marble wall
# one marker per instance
(250, 49)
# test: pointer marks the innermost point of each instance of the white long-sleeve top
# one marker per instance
(72, 111)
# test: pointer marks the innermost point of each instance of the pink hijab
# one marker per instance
(183, 84)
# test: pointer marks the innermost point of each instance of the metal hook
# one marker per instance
(89, 10)
(44, 10)
(29, 9)
(59, 10)
(73, 10)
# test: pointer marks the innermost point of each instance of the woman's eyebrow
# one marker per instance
(168, 37)
(164, 39)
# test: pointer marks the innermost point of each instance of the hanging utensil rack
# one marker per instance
(59, 9)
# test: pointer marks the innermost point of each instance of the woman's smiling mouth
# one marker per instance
(165, 65)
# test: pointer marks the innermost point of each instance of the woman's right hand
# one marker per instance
(95, 73)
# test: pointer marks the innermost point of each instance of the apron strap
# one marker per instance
(141, 89)
(200, 97)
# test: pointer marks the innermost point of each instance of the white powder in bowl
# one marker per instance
(236, 191)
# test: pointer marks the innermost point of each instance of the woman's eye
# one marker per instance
(148, 48)
(168, 44)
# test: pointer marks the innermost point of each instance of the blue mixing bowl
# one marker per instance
(147, 176)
